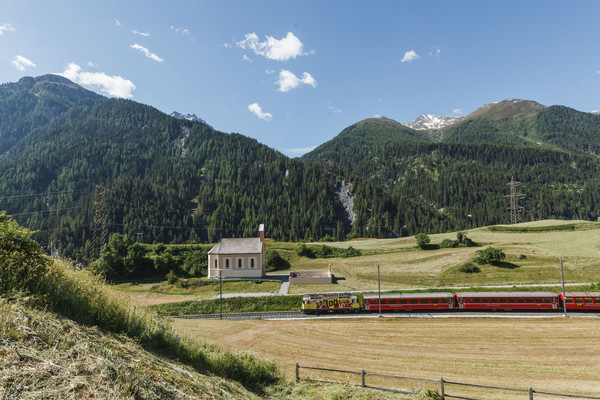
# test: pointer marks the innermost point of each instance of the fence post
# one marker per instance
(443, 393)
(530, 393)
(297, 372)
(363, 378)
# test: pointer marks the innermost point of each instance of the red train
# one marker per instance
(465, 301)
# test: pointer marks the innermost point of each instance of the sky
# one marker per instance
(294, 74)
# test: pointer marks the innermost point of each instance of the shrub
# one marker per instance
(324, 251)
(274, 261)
(305, 251)
(172, 278)
(469, 268)
(464, 241)
(422, 240)
(449, 244)
(490, 256)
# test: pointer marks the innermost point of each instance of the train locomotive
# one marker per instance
(460, 301)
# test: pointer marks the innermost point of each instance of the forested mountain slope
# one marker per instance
(551, 150)
(169, 180)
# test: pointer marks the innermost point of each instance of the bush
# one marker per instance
(469, 268)
(449, 244)
(172, 278)
(324, 251)
(422, 240)
(274, 262)
(464, 241)
(304, 251)
(490, 256)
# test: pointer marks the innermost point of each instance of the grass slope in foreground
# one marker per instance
(65, 334)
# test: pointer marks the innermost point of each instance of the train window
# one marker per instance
(529, 300)
(587, 300)
(475, 300)
(520, 301)
(597, 300)
(402, 301)
(492, 300)
(414, 301)
(538, 300)
(442, 301)
(569, 300)
(579, 301)
(511, 300)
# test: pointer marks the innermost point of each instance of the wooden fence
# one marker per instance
(443, 385)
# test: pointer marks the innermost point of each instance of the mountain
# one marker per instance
(75, 157)
(509, 108)
(426, 122)
(462, 180)
(31, 103)
(188, 117)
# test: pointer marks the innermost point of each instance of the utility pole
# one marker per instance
(221, 293)
(515, 208)
(562, 277)
(379, 289)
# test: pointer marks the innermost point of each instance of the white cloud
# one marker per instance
(457, 111)
(6, 27)
(301, 150)
(274, 49)
(140, 33)
(333, 108)
(147, 53)
(270, 71)
(410, 55)
(288, 81)
(246, 58)
(257, 110)
(21, 63)
(117, 22)
(112, 85)
(182, 31)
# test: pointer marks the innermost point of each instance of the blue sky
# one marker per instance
(294, 74)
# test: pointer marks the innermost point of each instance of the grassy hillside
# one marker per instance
(65, 334)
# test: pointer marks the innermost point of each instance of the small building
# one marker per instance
(238, 258)
(311, 277)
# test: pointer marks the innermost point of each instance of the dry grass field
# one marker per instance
(549, 354)
(144, 294)
(402, 265)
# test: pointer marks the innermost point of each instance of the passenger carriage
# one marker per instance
(582, 301)
(408, 301)
(508, 301)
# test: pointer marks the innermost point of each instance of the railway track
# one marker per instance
(250, 315)
(453, 314)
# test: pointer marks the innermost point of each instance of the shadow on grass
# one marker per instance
(335, 279)
(506, 265)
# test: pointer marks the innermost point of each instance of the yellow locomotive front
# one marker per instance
(330, 302)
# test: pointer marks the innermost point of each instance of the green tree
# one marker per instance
(422, 240)
(490, 256)
(275, 262)
(22, 260)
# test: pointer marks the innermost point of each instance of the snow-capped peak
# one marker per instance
(427, 122)
(189, 117)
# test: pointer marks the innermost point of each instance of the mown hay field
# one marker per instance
(549, 354)
(532, 249)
